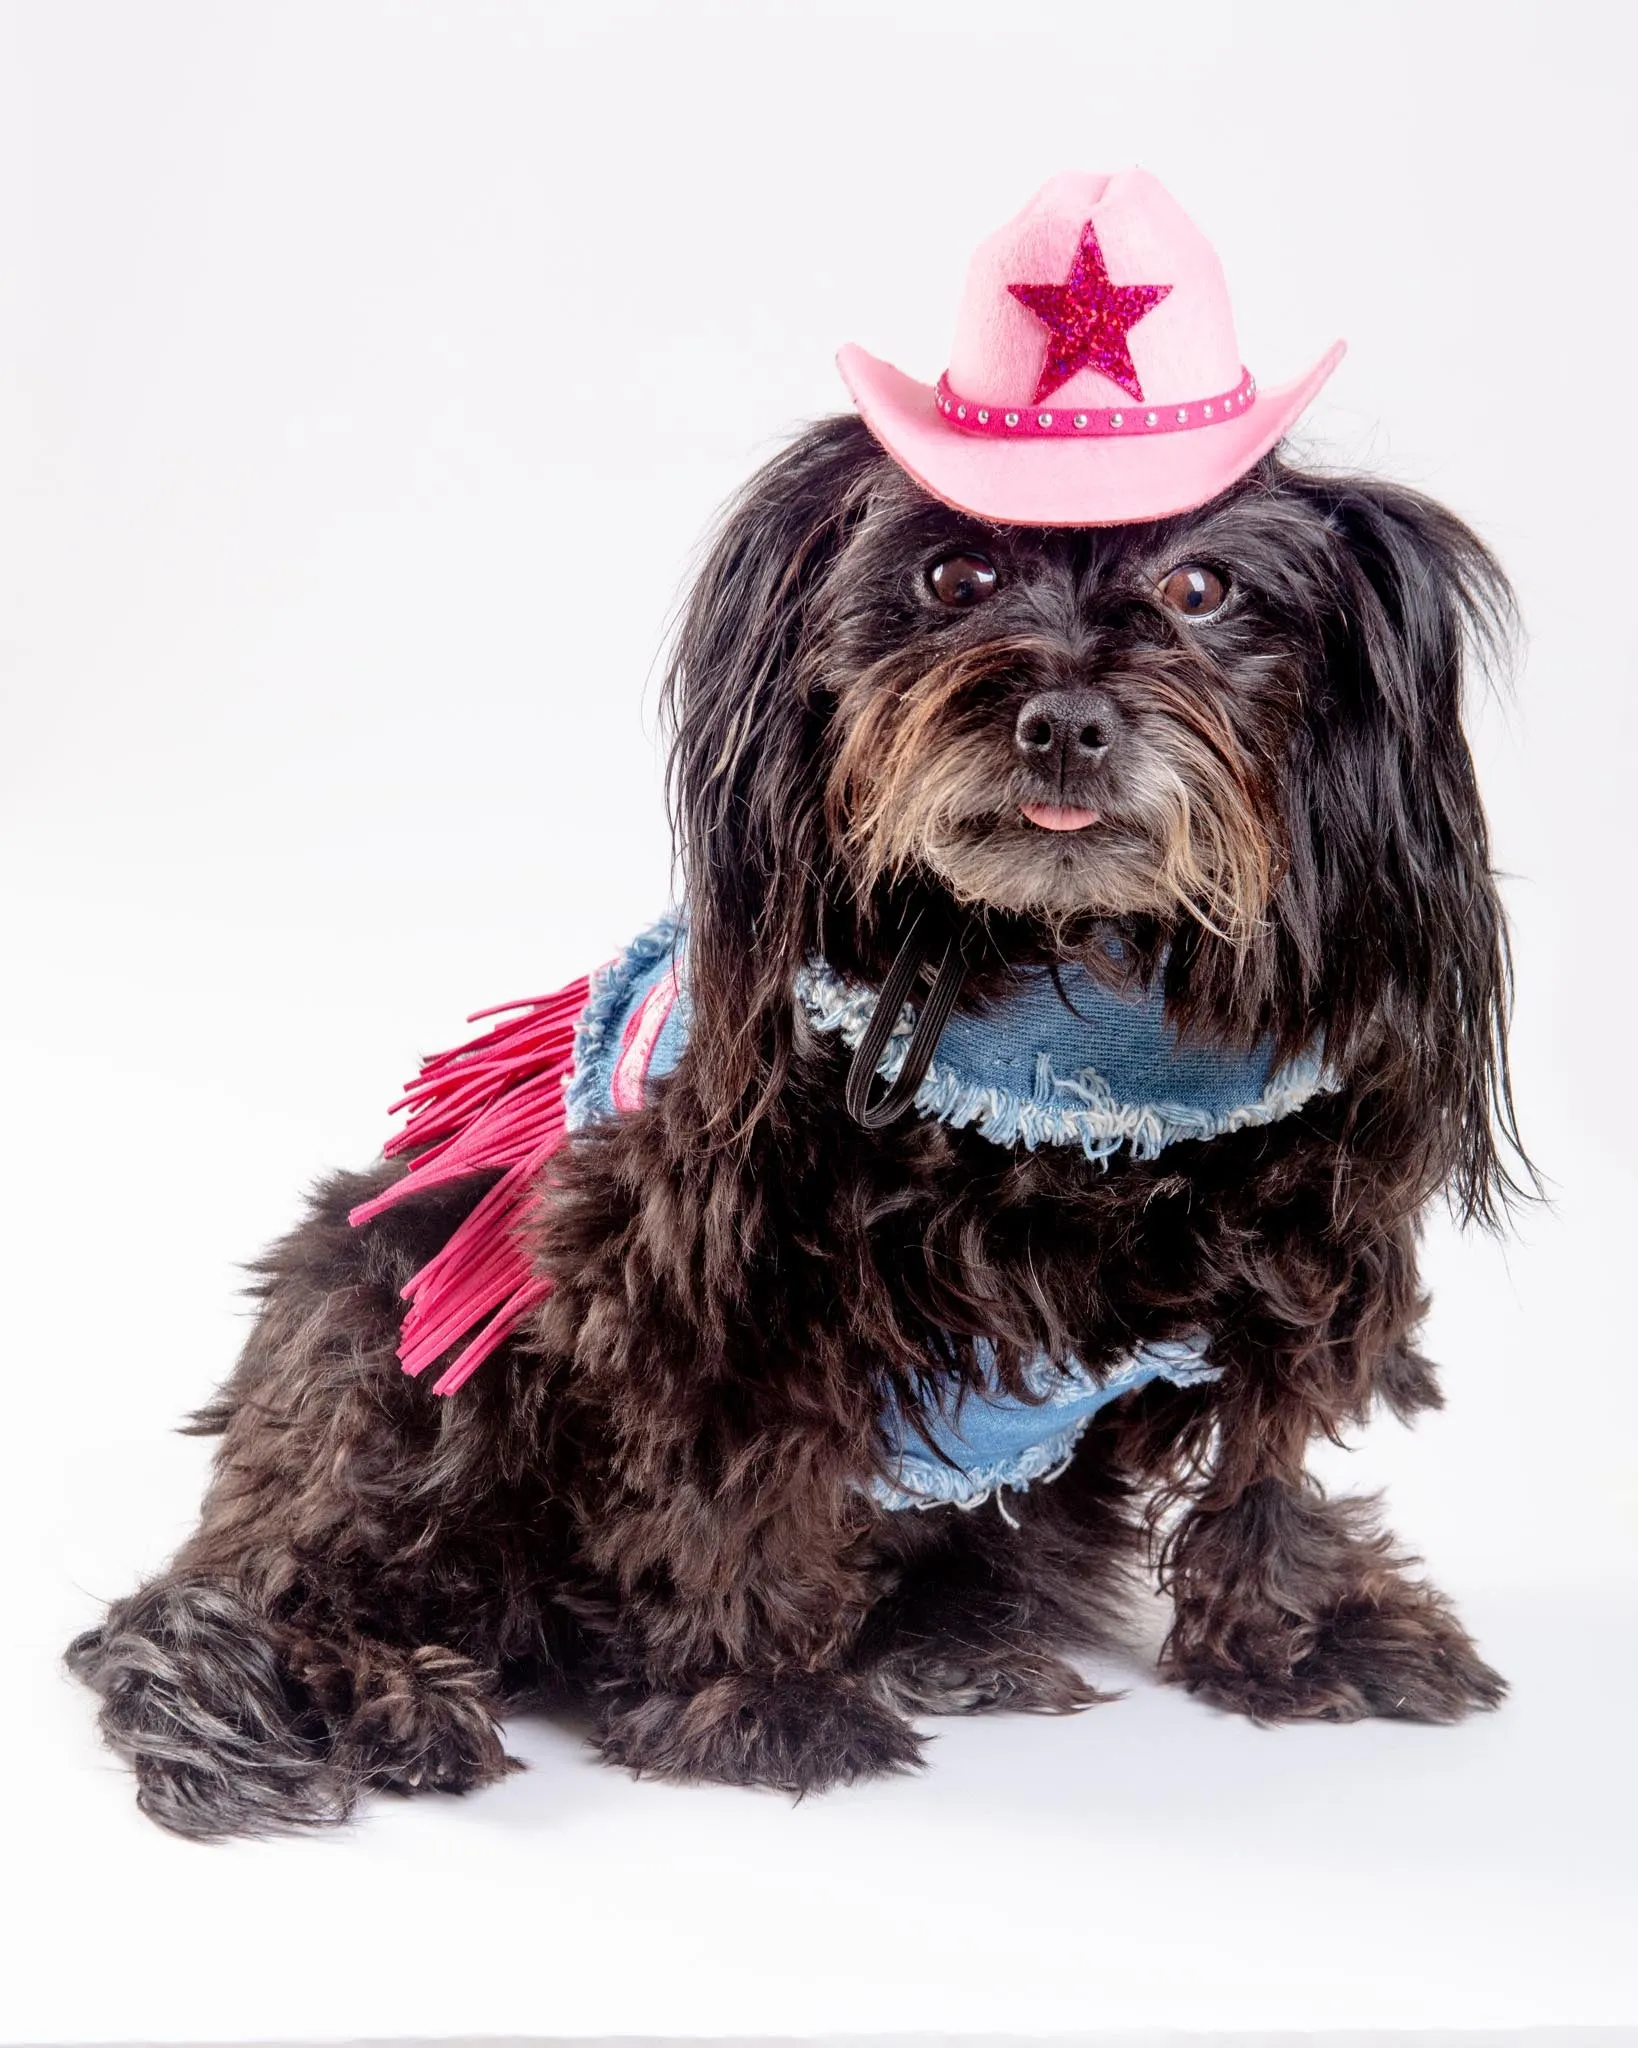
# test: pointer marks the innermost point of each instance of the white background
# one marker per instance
(368, 374)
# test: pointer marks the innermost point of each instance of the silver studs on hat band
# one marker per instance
(969, 418)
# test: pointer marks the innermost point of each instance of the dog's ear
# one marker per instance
(1389, 909)
(747, 706)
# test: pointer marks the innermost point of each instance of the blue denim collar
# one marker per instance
(1063, 1060)
(1060, 1061)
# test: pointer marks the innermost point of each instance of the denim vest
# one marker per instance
(1030, 1070)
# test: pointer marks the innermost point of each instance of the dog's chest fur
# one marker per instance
(1060, 1069)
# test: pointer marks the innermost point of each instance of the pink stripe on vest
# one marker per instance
(642, 1034)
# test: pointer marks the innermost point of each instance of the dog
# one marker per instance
(942, 779)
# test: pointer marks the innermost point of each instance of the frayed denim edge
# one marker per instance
(1007, 1118)
(586, 1092)
(951, 1486)
(967, 1487)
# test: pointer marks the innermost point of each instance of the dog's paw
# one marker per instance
(948, 1680)
(1401, 1658)
(798, 1733)
(420, 1721)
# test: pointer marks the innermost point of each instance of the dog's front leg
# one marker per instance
(1294, 1606)
(741, 1596)
(723, 1415)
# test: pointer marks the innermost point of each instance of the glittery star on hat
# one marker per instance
(1087, 319)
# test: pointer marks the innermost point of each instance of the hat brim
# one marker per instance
(1063, 482)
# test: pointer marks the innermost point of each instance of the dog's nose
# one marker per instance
(1062, 730)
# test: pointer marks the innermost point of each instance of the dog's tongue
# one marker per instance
(1059, 817)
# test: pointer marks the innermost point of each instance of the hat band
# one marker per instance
(1026, 423)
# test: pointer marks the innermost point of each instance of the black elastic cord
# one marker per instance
(924, 1036)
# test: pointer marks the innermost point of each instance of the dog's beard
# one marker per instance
(926, 778)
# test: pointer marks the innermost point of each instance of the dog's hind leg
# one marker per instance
(197, 1699)
(235, 1723)
(367, 1583)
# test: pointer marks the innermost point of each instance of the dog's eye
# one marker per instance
(1193, 592)
(961, 580)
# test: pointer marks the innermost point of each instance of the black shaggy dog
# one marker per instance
(651, 1502)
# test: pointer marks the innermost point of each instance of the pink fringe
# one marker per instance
(494, 1102)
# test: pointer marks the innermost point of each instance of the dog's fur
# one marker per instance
(649, 1504)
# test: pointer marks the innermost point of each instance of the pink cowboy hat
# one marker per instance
(1095, 379)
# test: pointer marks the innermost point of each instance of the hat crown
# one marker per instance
(1181, 347)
